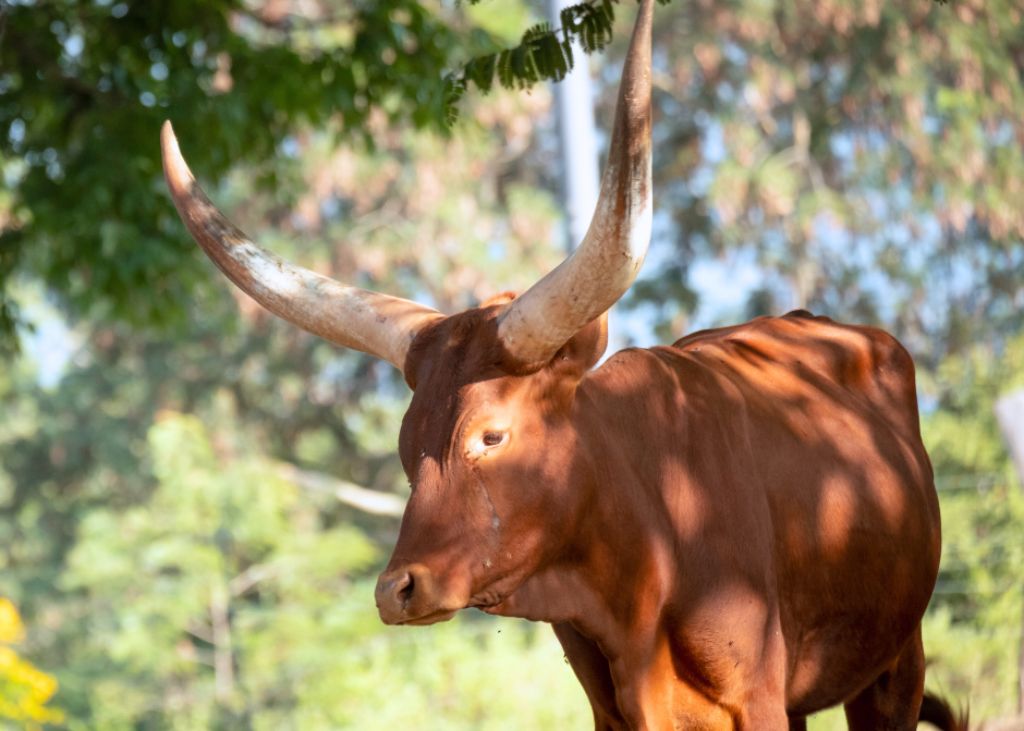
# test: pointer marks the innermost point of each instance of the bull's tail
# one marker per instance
(937, 711)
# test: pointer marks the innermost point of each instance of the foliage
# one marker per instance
(25, 691)
(543, 53)
(864, 154)
(862, 157)
(85, 86)
(977, 607)
(973, 632)
(963, 431)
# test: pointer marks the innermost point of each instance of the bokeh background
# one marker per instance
(186, 536)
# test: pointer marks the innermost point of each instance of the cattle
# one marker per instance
(730, 532)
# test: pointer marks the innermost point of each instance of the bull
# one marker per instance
(730, 532)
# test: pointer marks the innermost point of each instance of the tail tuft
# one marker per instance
(937, 711)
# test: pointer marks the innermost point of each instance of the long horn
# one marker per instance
(601, 269)
(374, 323)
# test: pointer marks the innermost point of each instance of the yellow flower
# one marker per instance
(24, 689)
(11, 629)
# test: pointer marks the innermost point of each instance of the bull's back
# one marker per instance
(776, 359)
(827, 419)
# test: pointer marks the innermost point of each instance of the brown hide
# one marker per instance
(728, 533)
(731, 532)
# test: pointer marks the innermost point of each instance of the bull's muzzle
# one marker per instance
(411, 595)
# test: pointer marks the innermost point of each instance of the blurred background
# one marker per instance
(195, 497)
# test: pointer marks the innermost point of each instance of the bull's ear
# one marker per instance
(583, 350)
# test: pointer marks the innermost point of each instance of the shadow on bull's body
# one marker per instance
(730, 532)
(726, 531)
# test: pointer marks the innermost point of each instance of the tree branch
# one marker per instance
(360, 498)
(249, 578)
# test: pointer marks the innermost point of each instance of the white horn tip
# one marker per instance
(176, 170)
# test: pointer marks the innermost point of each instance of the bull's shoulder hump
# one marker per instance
(793, 336)
(795, 346)
(806, 348)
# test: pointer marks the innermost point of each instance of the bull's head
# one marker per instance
(488, 441)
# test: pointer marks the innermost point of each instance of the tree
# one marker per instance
(174, 584)
(85, 87)
(865, 156)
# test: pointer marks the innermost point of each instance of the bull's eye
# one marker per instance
(493, 438)
(483, 442)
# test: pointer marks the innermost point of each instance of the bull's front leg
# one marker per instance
(592, 670)
(730, 669)
(653, 697)
(739, 686)
(637, 689)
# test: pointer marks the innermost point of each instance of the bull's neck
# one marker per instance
(623, 539)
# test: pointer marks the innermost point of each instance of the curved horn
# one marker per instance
(374, 323)
(604, 265)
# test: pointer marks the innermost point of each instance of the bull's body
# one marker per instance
(747, 528)
(728, 533)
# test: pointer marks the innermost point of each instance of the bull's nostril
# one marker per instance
(404, 588)
(405, 593)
